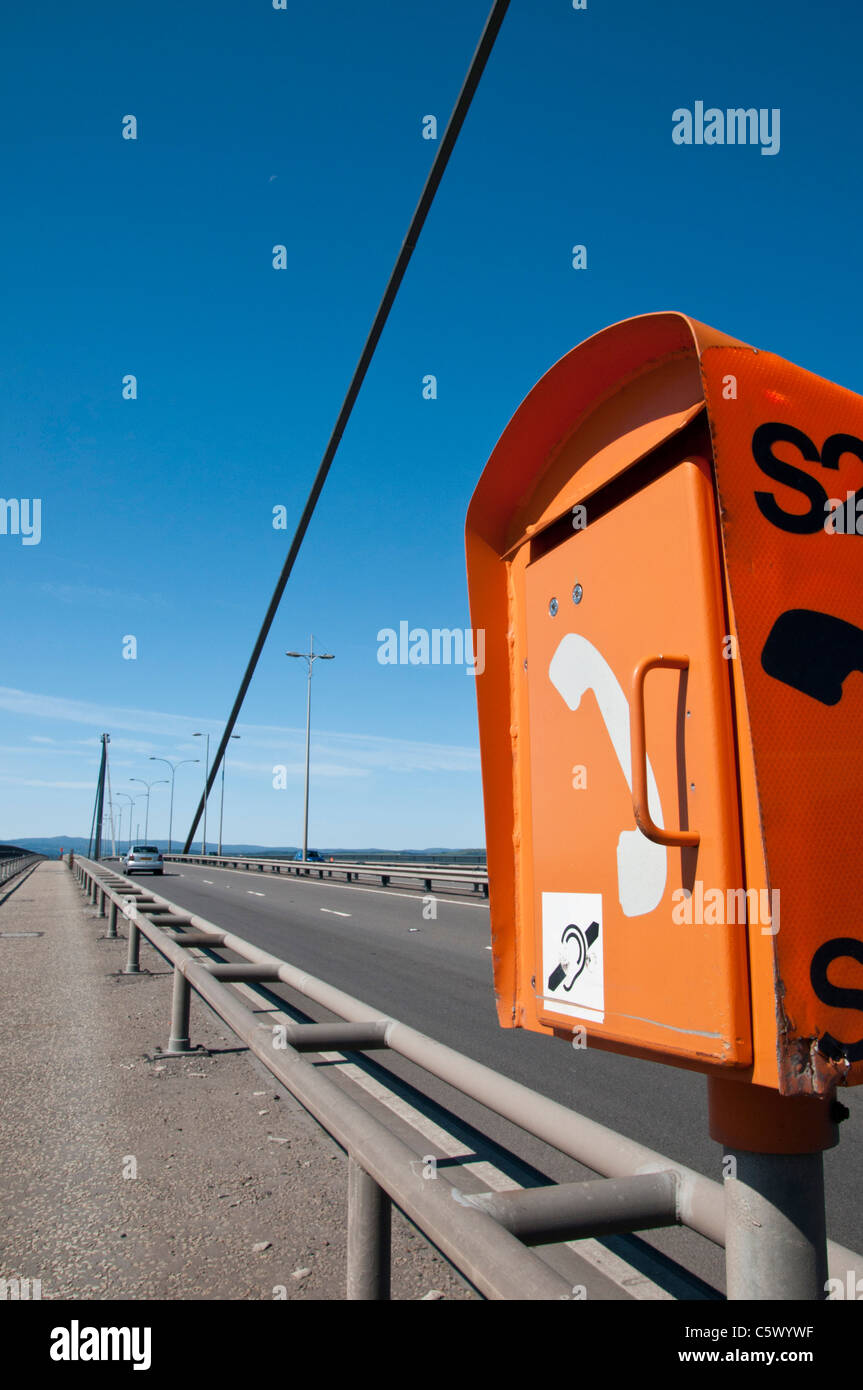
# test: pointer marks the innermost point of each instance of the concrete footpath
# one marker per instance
(124, 1175)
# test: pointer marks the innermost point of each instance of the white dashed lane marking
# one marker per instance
(333, 913)
(359, 888)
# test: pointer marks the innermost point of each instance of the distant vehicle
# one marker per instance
(311, 858)
(143, 859)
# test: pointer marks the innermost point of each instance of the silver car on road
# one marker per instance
(143, 859)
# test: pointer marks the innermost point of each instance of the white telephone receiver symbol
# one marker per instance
(576, 667)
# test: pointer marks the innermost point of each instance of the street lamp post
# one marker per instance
(173, 767)
(131, 801)
(148, 785)
(206, 780)
(222, 804)
(311, 656)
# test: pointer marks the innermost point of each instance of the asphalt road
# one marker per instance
(437, 976)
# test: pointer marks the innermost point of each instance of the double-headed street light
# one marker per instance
(131, 801)
(311, 656)
(206, 780)
(148, 785)
(173, 767)
(222, 805)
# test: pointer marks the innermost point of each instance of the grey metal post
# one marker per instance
(171, 815)
(131, 801)
(368, 1237)
(132, 960)
(776, 1239)
(160, 781)
(206, 776)
(101, 902)
(112, 921)
(308, 746)
(173, 767)
(204, 797)
(311, 657)
(179, 1039)
(171, 805)
(222, 801)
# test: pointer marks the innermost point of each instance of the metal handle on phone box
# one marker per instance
(638, 745)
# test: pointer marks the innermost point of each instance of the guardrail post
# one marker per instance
(101, 896)
(776, 1238)
(368, 1237)
(179, 1039)
(112, 921)
(775, 1227)
(133, 966)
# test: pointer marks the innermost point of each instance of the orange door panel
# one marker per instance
(610, 905)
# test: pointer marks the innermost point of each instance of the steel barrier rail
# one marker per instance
(495, 1262)
(384, 860)
(648, 1189)
(469, 871)
(418, 868)
(10, 866)
(427, 874)
(432, 861)
(608, 1153)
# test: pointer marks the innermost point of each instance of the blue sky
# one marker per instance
(302, 127)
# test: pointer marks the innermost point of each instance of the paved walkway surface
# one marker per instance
(127, 1176)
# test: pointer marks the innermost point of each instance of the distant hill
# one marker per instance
(52, 844)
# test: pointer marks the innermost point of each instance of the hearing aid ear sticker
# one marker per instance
(573, 980)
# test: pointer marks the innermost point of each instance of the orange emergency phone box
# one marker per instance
(671, 706)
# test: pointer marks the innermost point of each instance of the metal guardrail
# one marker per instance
(488, 1236)
(353, 872)
(11, 865)
(454, 859)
